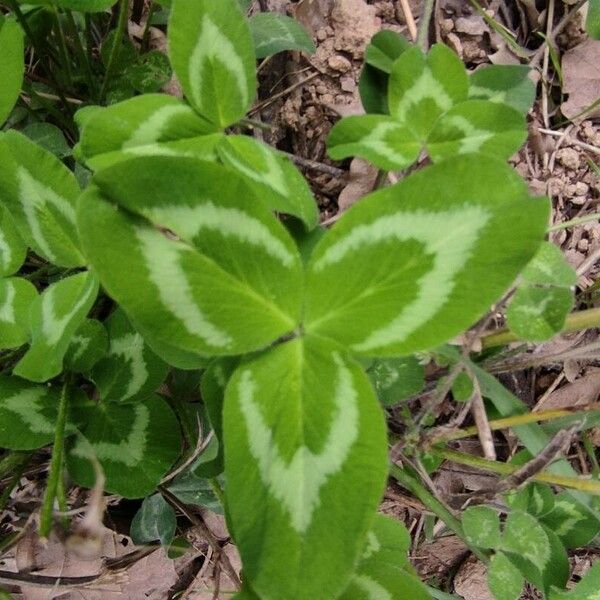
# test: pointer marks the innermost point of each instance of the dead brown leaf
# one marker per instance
(581, 73)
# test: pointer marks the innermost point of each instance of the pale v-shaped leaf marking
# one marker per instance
(473, 139)
(7, 308)
(426, 87)
(27, 406)
(297, 484)
(374, 590)
(151, 130)
(130, 348)
(5, 251)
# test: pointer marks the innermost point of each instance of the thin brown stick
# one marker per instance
(313, 165)
(409, 18)
(484, 431)
(258, 107)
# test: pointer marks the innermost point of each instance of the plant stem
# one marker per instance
(56, 463)
(146, 34)
(582, 319)
(423, 33)
(575, 222)
(64, 52)
(114, 52)
(83, 56)
(413, 485)
(584, 485)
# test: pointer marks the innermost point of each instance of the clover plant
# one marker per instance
(172, 262)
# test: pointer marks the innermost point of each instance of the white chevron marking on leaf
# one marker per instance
(297, 484)
(189, 221)
(82, 344)
(374, 590)
(129, 451)
(474, 138)
(162, 259)
(376, 141)
(151, 130)
(373, 546)
(131, 348)
(448, 235)
(214, 46)
(5, 251)
(53, 326)
(26, 405)
(272, 175)
(33, 197)
(7, 308)
(490, 94)
(426, 87)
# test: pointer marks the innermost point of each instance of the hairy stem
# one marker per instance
(423, 33)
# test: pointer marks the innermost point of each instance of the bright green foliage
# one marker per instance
(587, 589)
(27, 414)
(592, 23)
(525, 537)
(88, 345)
(40, 193)
(16, 297)
(396, 379)
(410, 266)
(12, 247)
(549, 267)
(306, 477)
(504, 579)
(156, 520)
(205, 291)
(276, 180)
(429, 110)
(509, 84)
(482, 526)
(384, 571)
(53, 319)
(129, 371)
(385, 47)
(462, 388)
(134, 443)
(212, 53)
(274, 32)
(147, 125)
(11, 66)
(534, 498)
(79, 5)
(574, 524)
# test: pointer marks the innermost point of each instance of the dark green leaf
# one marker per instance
(155, 520)
(273, 32)
(396, 379)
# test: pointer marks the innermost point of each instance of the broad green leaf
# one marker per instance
(276, 180)
(482, 526)
(396, 379)
(135, 444)
(384, 49)
(129, 371)
(11, 66)
(147, 125)
(88, 345)
(291, 482)
(381, 140)
(212, 53)
(197, 491)
(538, 313)
(273, 32)
(423, 87)
(525, 537)
(49, 137)
(53, 319)
(181, 359)
(477, 126)
(504, 579)
(572, 522)
(592, 23)
(509, 84)
(462, 388)
(549, 267)
(16, 297)
(150, 73)
(155, 520)
(13, 249)
(415, 264)
(27, 414)
(373, 88)
(225, 281)
(588, 587)
(384, 571)
(535, 498)
(40, 192)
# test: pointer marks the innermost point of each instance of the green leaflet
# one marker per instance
(49, 137)
(155, 520)
(88, 345)
(535, 498)
(396, 379)
(423, 87)
(201, 289)
(13, 249)
(549, 267)
(273, 32)
(212, 53)
(16, 297)
(572, 522)
(292, 481)
(135, 444)
(592, 23)
(11, 66)
(414, 264)
(587, 589)
(195, 490)
(384, 48)
(482, 526)
(129, 371)
(382, 140)
(276, 180)
(27, 414)
(509, 84)
(53, 319)
(142, 126)
(150, 72)
(477, 126)
(384, 572)
(40, 193)
(504, 579)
